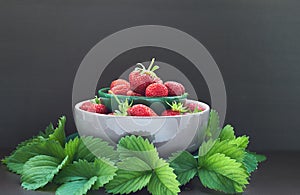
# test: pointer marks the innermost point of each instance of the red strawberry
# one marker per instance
(94, 106)
(86, 105)
(176, 109)
(175, 88)
(132, 93)
(140, 110)
(137, 110)
(156, 90)
(119, 89)
(194, 108)
(119, 82)
(140, 78)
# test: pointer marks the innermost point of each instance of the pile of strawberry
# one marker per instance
(143, 82)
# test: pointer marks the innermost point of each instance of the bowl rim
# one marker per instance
(169, 98)
(206, 106)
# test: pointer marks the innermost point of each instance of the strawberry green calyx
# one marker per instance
(177, 106)
(150, 70)
(122, 106)
(96, 100)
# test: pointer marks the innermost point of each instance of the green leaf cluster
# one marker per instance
(140, 166)
(222, 164)
(78, 165)
(87, 163)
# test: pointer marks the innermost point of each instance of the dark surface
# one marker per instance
(280, 174)
(255, 43)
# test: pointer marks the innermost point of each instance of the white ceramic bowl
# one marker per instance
(168, 133)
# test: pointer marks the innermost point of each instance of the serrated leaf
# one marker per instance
(228, 149)
(133, 164)
(220, 172)
(48, 131)
(90, 148)
(163, 181)
(103, 169)
(250, 162)
(213, 128)
(126, 181)
(259, 157)
(205, 147)
(40, 170)
(241, 142)
(132, 146)
(59, 132)
(227, 133)
(71, 148)
(76, 187)
(16, 161)
(185, 166)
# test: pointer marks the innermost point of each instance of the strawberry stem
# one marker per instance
(123, 106)
(151, 64)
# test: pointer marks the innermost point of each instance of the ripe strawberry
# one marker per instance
(176, 109)
(132, 93)
(156, 90)
(140, 110)
(86, 105)
(194, 108)
(175, 88)
(119, 89)
(94, 106)
(141, 77)
(119, 82)
(126, 109)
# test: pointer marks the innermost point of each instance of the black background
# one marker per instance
(255, 43)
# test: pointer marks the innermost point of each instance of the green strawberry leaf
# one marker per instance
(59, 133)
(163, 180)
(16, 161)
(205, 147)
(222, 173)
(185, 166)
(132, 146)
(78, 187)
(133, 164)
(241, 142)
(213, 128)
(90, 148)
(102, 169)
(71, 148)
(47, 132)
(259, 157)
(227, 133)
(126, 181)
(250, 162)
(227, 148)
(40, 170)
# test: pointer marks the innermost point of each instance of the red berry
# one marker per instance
(170, 113)
(119, 82)
(140, 110)
(156, 90)
(193, 107)
(175, 88)
(119, 89)
(86, 105)
(100, 108)
(132, 93)
(140, 78)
